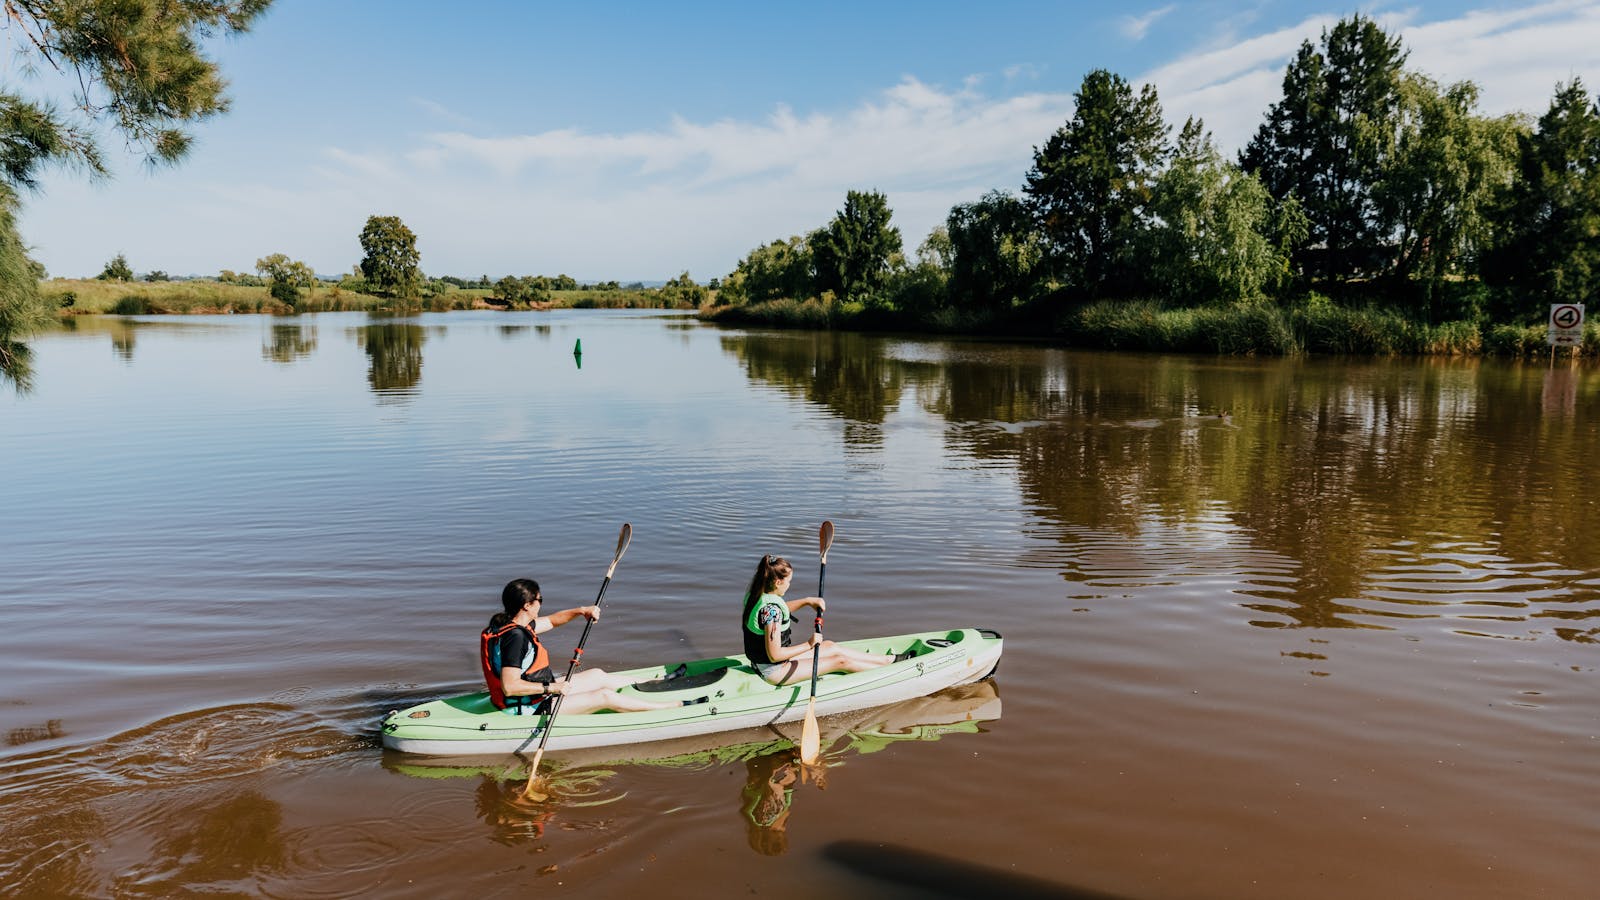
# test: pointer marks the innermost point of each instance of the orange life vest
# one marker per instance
(489, 654)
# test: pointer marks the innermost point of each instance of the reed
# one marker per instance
(88, 296)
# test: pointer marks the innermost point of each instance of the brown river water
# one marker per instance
(1274, 628)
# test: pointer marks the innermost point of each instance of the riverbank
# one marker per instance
(74, 296)
(1313, 325)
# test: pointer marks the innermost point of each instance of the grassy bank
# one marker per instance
(1312, 325)
(84, 296)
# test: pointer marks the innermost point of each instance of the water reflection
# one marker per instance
(769, 758)
(287, 343)
(394, 357)
(843, 372)
(768, 796)
(1325, 495)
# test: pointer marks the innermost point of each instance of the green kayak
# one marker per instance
(957, 710)
(470, 725)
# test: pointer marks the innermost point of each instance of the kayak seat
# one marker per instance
(682, 682)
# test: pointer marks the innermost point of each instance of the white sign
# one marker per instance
(1566, 324)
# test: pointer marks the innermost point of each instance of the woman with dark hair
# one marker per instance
(767, 622)
(516, 666)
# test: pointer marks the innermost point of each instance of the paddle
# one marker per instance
(623, 538)
(809, 738)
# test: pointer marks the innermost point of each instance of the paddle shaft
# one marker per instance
(824, 541)
(577, 654)
(816, 652)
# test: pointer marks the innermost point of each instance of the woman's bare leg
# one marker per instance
(592, 701)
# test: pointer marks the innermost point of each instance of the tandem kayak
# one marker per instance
(962, 709)
(737, 698)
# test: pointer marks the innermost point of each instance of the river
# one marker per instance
(1274, 628)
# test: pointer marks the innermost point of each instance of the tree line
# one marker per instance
(1366, 184)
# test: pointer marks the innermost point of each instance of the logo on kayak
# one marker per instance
(419, 714)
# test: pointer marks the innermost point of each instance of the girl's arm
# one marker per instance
(512, 682)
(557, 619)
(797, 605)
(777, 652)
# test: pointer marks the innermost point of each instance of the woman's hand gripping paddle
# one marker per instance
(809, 738)
(623, 538)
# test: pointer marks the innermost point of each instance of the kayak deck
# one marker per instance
(737, 697)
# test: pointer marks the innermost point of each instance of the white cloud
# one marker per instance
(634, 204)
(1136, 27)
(699, 194)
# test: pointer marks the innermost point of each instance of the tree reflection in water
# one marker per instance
(394, 356)
(1330, 479)
(287, 343)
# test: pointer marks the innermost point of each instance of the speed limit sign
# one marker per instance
(1566, 324)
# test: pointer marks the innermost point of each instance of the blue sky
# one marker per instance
(639, 140)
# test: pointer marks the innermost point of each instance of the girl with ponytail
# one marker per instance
(768, 631)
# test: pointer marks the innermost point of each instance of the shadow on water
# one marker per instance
(942, 876)
(1348, 495)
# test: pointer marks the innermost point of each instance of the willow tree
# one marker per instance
(138, 68)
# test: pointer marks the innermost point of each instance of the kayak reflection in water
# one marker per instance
(768, 623)
(517, 670)
(768, 794)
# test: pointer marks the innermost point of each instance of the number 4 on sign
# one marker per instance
(1566, 324)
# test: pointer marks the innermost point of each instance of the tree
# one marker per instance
(1329, 140)
(1215, 237)
(1448, 168)
(852, 253)
(389, 256)
(521, 292)
(683, 291)
(21, 311)
(779, 269)
(138, 66)
(995, 252)
(1091, 181)
(286, 277)
(116, 270)
(1549, 218)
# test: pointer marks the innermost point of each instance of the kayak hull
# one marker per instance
(737, 698)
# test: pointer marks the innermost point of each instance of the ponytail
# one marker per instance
(516, 594)
(768, 571)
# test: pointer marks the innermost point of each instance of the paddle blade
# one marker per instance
(530, 792)
(825, 540)
(624, 537)
(810, 737)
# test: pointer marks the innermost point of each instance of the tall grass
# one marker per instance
(784, 313)
(1242, 330)
(186, 297)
